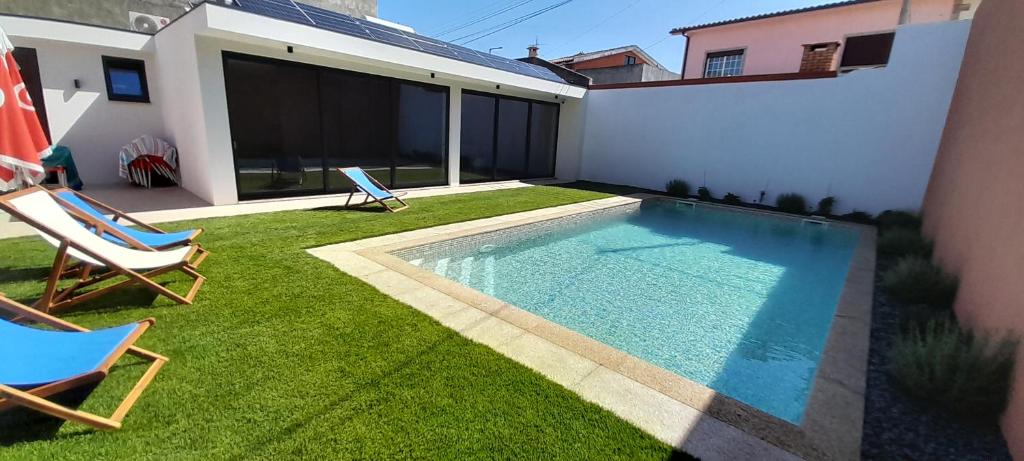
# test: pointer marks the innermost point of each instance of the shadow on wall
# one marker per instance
(84, 119)
(97, 135)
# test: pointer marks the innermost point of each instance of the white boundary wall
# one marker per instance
(868, 138)
(83, 119)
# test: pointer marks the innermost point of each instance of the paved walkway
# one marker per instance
(176, 204)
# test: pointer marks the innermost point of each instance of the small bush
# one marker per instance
(890, 220)
(704, 193)
(732, 199)
(825, 206)
(858, 217)
(791, 203)
(915, 280)
(678, 188)
(904, 242)
(941, 364)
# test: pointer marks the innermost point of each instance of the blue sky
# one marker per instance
(580, 25)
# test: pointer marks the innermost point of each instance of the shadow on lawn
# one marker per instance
(25, 274)
(20, 424)
(365, 208)
(128, 298)
(606, 188)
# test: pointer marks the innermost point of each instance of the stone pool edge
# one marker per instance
(673, 409)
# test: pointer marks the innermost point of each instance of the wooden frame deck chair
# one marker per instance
(136, 266)
(145, 234)
(40, 363)
(374, 190)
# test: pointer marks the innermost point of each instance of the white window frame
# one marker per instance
(724, 53)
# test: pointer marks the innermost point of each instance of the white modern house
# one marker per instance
(264, 100)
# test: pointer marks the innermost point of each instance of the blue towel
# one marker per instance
(359, 177)
(150, 239)
(30, 357)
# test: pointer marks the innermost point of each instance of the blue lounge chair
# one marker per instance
(374, 190)
(146, 235)
(39, 363)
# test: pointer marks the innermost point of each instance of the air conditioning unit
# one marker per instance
(148, 23)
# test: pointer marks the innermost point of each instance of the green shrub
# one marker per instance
(791, 203)
(941, 364)
(704, 193)
(678, 188)
(732, 199)
(904, 242)
(858, 217)
(891, 220)
(915, 280)
(825, 206)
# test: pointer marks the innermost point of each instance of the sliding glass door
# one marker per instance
(356, 114)
(476, 161)
(293, 124)
(422, 141)
(506, 138)
(277, 146)
(513, 118)
(543, 140)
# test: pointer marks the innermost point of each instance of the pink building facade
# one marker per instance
(801, 40)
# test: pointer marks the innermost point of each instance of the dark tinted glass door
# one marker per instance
(275, 128)
(422, 141)
(512, 123)
(477, 140)
(28, 62)
(507, 138)
(293, 124)
(357, 125)
(543, 140)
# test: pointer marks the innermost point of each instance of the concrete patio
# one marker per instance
(176, 204)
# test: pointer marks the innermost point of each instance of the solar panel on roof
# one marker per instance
(343, 24)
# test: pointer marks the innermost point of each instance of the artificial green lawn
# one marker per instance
(282, 355)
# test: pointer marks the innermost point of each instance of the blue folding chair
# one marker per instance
(374, 190)
(35, 363)
(146, 235)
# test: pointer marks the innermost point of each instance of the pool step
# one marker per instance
(814, 221)
(686, 203)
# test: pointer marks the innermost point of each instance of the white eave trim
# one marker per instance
(48, 29)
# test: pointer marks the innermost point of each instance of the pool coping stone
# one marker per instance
(670, 407)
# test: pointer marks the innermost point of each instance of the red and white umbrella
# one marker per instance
(22, 142)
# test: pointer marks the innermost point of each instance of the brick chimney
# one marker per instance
(533, 49)
(819, 57)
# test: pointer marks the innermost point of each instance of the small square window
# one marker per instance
(724, 64)
(630, 60)
(867, 50)
(126, 79)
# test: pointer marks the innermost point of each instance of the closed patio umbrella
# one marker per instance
(22, 142)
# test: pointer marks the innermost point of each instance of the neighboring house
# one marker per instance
(836, 36)
(570, 76)
(626, 64)
(264, 100)
(144, 15)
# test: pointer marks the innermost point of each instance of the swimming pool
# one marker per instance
(740, 302)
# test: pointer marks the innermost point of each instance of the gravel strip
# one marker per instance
(895, 426)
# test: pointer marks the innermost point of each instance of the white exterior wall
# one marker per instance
(868, 138)
(569, 153)
(82, 119)
(190, 51)
(188, 97)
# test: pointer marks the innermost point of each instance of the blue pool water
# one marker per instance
(737, 301)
